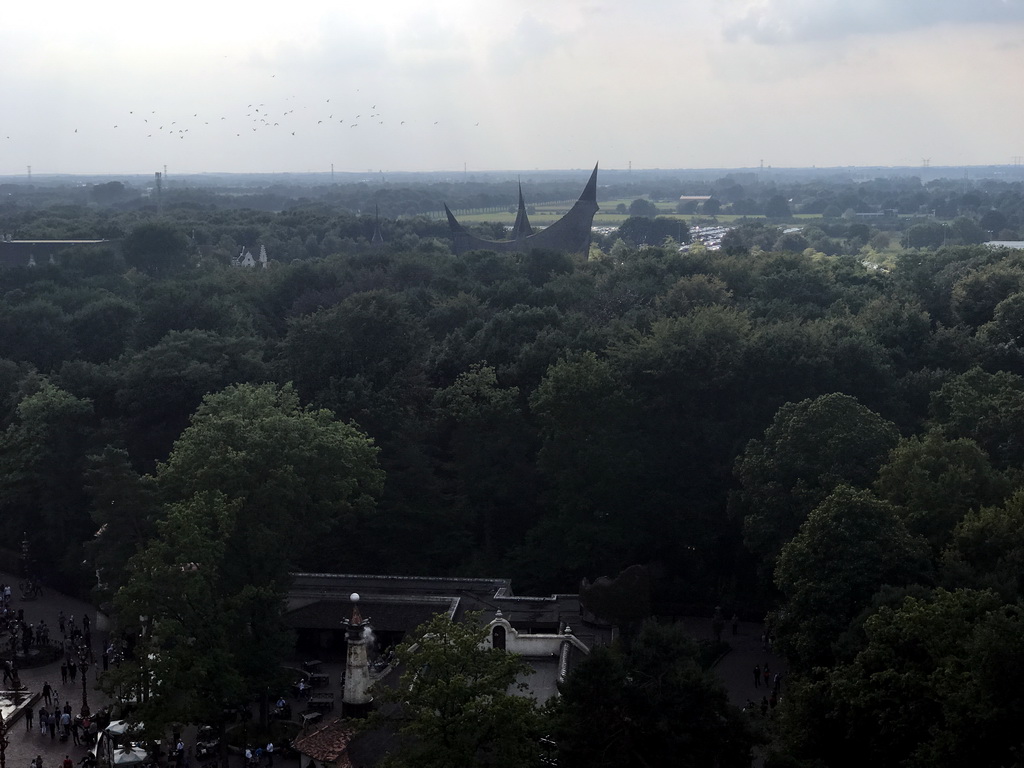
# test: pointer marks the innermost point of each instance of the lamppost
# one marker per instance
(83, 667)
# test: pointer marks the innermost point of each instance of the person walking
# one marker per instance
(43, 715)
(47, 693)
(757, 676)
(64, 673)
(28, 717)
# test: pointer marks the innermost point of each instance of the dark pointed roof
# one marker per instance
(453, 223)
(571, 233)
(590, 191)
(522, 226)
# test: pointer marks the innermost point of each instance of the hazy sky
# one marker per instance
(122, 86)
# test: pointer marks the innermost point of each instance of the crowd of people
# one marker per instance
(30, 641)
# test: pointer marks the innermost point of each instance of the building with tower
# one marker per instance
(552, 633)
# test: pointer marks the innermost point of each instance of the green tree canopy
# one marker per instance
(975, 296)
(648, 705)
(986, 407)
(809, 449)
(156, 248)
(931, 234)
(255, 485)
(938, 683)
(987, 550)
(642, 207)
(777, 207)
(935, 482)
(591, 462)
(299, 476)
(846, 550)
(124, 509)
(694, 291)
(159, 388)
(488, 447)
(360, 357)
(648, 230)
(42, 458)
(454, 705)
(186, 661)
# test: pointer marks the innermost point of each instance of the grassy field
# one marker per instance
(548, 213)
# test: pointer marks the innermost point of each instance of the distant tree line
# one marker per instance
(995, 205)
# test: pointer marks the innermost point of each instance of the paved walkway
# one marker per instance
(736, 668)
(25, 745)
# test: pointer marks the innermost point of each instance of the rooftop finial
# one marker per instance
(356, 617)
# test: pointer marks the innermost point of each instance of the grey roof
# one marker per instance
(570, 234)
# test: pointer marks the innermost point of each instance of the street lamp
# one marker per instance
(83, 667)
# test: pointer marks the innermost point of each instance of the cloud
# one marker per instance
(529, 40)
(794, 21)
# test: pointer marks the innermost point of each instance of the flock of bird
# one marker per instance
(288, 119)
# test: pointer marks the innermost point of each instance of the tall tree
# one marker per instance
(648, 705)
(156, 248)
(489, 454)
(848, 548)
(159, 388)
(935, 482)
(267, 485)
(809, 449)
(124, 509)
(454, 705)
(938, 683)
(299, 476)
(185, 665)
(42, 457)
(591, 462)
(986, 407)
(986, 551)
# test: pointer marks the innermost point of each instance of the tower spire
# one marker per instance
(522, 226)
(356, 699)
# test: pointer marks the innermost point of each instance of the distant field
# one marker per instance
(548, 213)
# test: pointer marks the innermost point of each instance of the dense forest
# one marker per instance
(821, 424)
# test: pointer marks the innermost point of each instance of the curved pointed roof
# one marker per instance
(571, 233)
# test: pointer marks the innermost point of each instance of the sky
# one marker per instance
(123, 87)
